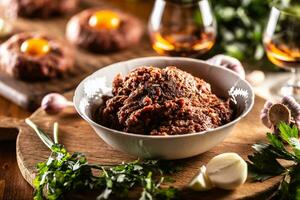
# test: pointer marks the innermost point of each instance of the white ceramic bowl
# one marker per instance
(224, 82)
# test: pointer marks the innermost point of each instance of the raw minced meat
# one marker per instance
(169, 101)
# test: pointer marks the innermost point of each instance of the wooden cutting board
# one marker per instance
(29, 94)
(77, 135)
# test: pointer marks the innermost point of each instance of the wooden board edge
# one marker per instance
(23, 169)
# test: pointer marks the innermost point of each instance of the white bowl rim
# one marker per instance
(233, 122)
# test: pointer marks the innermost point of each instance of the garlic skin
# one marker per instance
(264, 114)
(226, 171)
(54, 103)
(294, 106)
(229, 63)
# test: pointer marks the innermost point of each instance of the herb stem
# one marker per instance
(43, 136)
(55, 132)
(104, 166)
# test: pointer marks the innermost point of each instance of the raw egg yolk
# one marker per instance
(35, 47)
(104, 19)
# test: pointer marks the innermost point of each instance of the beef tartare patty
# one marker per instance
(169, 101)
(39, 8)
(34, 56)
(101, 39)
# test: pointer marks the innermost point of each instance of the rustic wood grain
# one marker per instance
(29, 94)
(12, 184)
(2, 187)
(75, 134)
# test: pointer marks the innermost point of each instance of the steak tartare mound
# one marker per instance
(168, 101)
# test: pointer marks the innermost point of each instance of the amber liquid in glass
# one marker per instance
(281, 54)
(182, 44)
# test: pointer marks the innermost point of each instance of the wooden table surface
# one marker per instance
(12, 184)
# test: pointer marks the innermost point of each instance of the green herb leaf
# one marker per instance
(64, 173)
(264, 163)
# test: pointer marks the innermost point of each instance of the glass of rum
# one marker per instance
(282, 44)
(182, 28)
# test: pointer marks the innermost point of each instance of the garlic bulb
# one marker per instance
(287, 110)
(54, 103)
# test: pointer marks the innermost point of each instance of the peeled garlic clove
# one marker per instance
(279, 113)
(229, 63)
(227, 171)
(201, 182)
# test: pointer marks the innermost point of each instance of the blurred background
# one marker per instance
(240, 25)
(262, 34)
(205, 28)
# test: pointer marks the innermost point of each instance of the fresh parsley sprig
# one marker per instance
(266, 162)
(64, 173)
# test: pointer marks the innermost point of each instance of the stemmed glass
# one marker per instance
(282, 44)
(182, 28)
